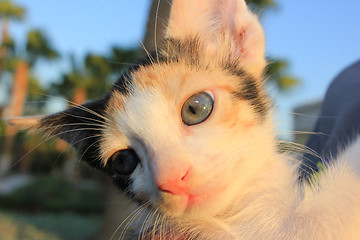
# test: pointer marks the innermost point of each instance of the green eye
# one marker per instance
(197, 108)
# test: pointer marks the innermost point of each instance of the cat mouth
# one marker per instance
(185, 204)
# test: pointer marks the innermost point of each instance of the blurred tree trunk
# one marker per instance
(156, 25)
(14, 109)
(80, 96)
(4, 38)
(8, 11)
(3, 49)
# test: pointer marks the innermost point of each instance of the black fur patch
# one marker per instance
(81, 127)
(174, 50)
(171, 51)
(249, 90)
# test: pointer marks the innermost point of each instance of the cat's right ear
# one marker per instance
(223, 27)
(80, 126)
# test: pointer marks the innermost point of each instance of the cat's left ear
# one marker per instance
(80, 126)
(224, 25)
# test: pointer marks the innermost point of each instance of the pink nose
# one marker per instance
(176, 182)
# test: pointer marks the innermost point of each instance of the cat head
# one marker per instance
(188, 126)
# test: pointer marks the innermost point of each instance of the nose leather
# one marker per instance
(175, 182)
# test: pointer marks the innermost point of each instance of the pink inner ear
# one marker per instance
(240, 41)
(211, 19)
(234, 15)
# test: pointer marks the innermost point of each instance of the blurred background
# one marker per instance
(57, 53)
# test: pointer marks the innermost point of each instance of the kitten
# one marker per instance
(187, 132)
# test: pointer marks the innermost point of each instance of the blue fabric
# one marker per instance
(339, 121)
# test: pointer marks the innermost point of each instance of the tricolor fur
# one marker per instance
(222, 178)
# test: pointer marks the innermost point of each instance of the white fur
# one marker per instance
(257, 193)
(261, 196)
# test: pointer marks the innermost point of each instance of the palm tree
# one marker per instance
(156, 24)
(37, 47)
(95, 76)
(276, 73)
(8, 11)
(260, 4)
(84, 81)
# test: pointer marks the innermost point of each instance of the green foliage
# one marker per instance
(67, 85)
(36, 96)
(97, 75)
(15, 229)
(97, 66)
(2, 128)
(35, 88)
(39, 155)
(9, 44)
(9, 62)
(52, 194)
(11, 11)
(59, 226)
(38, 46)
(121, 58)
(258, 5)
(286, 82)
(276, 73)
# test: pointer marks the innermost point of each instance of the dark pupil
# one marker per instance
(124, 162)
(192, 109)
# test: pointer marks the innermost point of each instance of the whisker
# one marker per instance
(162, 228)
(97, 141)
(130, 215)
(300, 150)
(303, 148)
(48, 138)
(147, 53)
(135, 215)
(75, 105)
(155, 223)
(309, 116)
(44, 129)
(144, 225)
(87, 118)
(117, 62)
(155, 30)
(303, 132)
(79, 158)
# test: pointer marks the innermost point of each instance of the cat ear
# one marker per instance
(80, 126)
(221, 22)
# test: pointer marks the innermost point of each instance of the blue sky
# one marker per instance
(318, 38)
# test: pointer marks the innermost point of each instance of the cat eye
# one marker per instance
(197, 108)
(123, 162)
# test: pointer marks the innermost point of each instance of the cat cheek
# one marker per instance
(143, 184)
